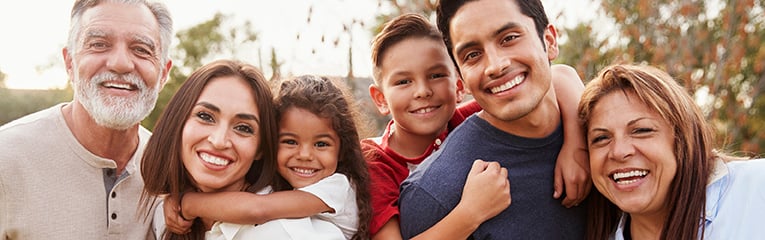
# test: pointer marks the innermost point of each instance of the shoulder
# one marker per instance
(748, 169)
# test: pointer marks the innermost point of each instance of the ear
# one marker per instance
(165, 73)
(551, 42)
(68, 63)
(379, 99)
(460, 90)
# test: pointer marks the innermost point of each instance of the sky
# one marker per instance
(33, 36)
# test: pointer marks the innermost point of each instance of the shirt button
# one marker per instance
(438, 142)
(114, 194)
(114, 216)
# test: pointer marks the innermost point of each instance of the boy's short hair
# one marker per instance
(409, 25)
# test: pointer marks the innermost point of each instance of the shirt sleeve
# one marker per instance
(333, 190)
(383, 194)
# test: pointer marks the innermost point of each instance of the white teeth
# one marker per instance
(509, 84)
(425, 110)
(118, 85)
(213, 159)
(304, 171)
(633, 173)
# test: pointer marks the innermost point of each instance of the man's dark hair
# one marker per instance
(445, 10)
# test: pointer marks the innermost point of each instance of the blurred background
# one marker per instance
(713, 47)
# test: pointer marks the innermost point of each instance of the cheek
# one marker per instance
(597, 168)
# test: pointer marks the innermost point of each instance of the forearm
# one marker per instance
(568, 91)
(458, 224)
(250, 208)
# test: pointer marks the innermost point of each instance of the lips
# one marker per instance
(305, 172)
(628, 177)
(424, 110)
(214, 160)
(120, 86)
(508, 85)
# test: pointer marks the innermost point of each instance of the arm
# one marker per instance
(250, 208)
(572, 171)
(486, 194)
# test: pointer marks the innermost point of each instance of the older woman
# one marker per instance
(653, 162)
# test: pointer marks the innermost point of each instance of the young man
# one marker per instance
(417, 83)
(71, 171)
(502, 49)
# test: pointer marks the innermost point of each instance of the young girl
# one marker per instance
(319, 154)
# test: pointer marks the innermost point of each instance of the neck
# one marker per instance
(538, 123)
(410, 144)
(117, 145)
(646, 227)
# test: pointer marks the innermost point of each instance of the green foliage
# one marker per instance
(16, 103)
(712, 47)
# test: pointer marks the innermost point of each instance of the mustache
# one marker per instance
(129, 78)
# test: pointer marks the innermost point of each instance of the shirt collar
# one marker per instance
(715, 188)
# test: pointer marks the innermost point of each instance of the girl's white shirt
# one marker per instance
(335, 190)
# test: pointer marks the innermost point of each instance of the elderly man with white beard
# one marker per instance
(72, 171)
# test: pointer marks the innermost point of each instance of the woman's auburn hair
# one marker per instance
(693, 147)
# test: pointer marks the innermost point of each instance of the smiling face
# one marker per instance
(220, 140)
(115, 65)
(631, 155)
(503, 62)
(308, 147)
(418, 86)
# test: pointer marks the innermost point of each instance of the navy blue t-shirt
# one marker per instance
(435, 187)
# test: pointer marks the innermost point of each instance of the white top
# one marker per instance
(335, 190)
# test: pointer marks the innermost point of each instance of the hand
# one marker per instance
(487, 190)
(173, 219)
(572, 173)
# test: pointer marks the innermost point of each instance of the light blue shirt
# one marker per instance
(735, 202)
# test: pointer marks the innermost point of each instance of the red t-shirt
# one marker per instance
(387, 168)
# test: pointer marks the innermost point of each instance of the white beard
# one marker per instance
(115, 112)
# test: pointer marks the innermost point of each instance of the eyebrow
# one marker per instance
(244, 116)
(145, 40)
(325, 135)
(509, 25)
(630, 123)
(94, 34)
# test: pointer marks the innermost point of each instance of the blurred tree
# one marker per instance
(710, 46)
(2, 79)
(276, 66)
(396, 7)
(198, 45)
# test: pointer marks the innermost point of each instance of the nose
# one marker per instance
(219, 138)
(423, 89)
(498, 64)
(621, 149)
(120, 60)
(304, 152)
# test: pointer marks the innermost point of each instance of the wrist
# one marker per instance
(181, 208)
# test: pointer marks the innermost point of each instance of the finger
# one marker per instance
(492, 167)
(572, 194)
(478, 166)
(557, 183)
